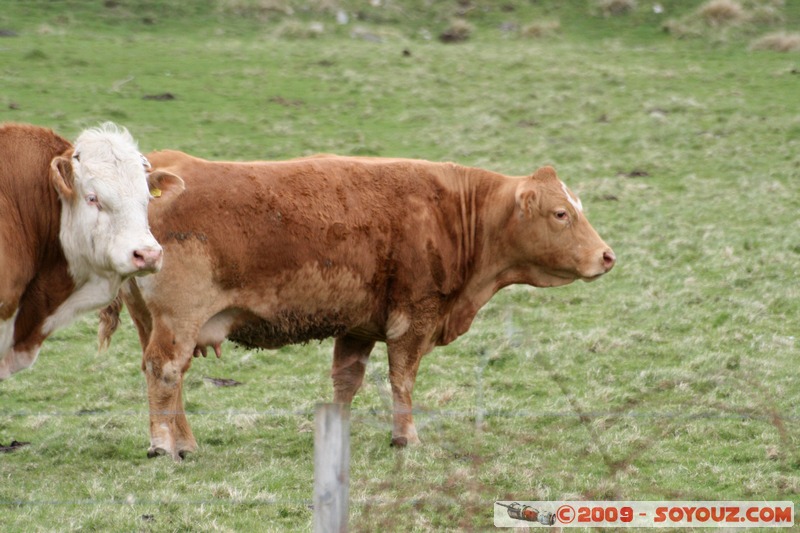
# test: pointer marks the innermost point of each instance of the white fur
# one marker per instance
(574, 200)
(95, 293)
(7, 334)
(107, 164)
(397, 325)
(146, 286)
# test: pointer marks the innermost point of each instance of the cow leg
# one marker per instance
(16, 360)
(20, 342)
(349, 364)
(164, 365)
(184, 438)
(6, 341)
(9, 311)
(405, 355)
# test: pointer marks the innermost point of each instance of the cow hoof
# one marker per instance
(399, 442)
(155, 452)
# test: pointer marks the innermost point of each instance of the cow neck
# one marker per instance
(471, 190)
(486, 203)
(42, 257)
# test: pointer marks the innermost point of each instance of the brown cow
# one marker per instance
(361, 249)
(73, 226)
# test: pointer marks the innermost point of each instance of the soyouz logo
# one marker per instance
(644, 514)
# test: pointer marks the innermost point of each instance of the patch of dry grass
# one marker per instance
(610, 8)
(778, 42)
(259, 9)
(722, 12)
(458, 30)
(537, 30)
(767, 13)
(721, 20)
(298, 30)
(264, 9)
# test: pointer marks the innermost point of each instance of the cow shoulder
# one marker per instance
(29, 207)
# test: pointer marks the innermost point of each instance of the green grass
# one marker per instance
(674, 377)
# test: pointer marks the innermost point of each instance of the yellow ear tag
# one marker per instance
(156, 193)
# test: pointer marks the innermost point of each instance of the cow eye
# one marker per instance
(91, 199)
(562, 215)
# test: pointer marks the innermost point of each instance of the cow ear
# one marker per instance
(165, 185)
(526, 197)
(62, 176)
(545, 173)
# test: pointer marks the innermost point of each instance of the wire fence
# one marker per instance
(466, 498)
(471, 503)
(477, 414)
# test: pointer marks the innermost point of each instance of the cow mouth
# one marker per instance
(554, 278)
(146, 271)
(593, 277)
(134, 272)
(569, 277)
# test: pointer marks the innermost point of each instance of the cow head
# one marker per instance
(104, 195)
(553, 241)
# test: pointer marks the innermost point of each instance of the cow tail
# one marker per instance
(109, 322)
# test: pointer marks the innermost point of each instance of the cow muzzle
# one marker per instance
(606, 262)
(609, 259)
(147, 260)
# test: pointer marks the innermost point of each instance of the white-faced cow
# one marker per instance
(73, 226)
(360, 249)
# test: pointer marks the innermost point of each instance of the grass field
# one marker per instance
(674, 377)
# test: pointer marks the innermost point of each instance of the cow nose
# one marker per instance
(609, 259)
(147, 259)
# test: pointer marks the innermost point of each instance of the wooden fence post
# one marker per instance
(331, 467)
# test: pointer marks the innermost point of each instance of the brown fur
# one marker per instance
(361, 249)
(34, 279)
(109, 322)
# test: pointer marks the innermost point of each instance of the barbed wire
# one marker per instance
(132, 501)
(308, 502)
(422, 412)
